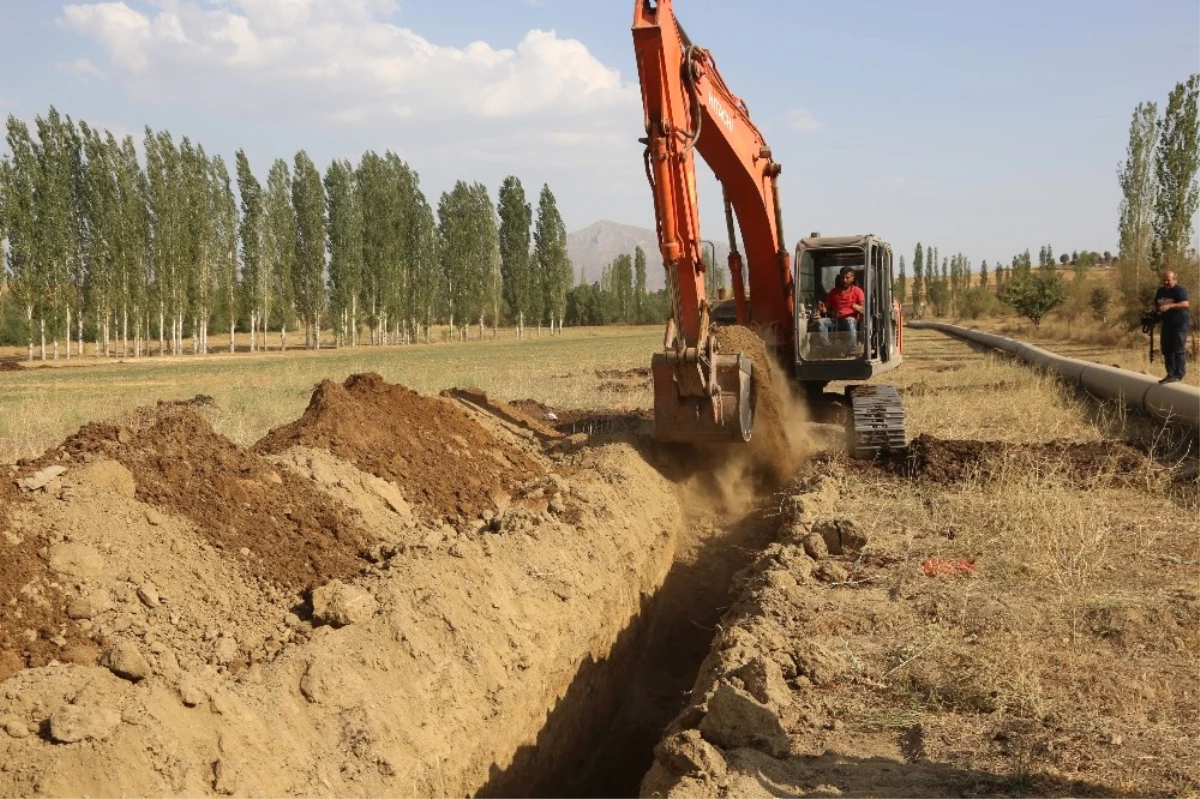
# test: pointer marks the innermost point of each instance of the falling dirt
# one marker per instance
(775, 448)
(944, 461)
(295, 536)
(443, 462)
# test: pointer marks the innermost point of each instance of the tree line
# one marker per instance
(105, 246)
(1159, 199)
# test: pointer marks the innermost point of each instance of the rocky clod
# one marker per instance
(339, 604)
(124, 660)
(72, 723)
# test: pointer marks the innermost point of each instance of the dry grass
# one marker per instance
(253, 393)
(1088, 341)
(1075, 651)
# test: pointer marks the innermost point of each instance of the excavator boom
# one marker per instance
(700, 392)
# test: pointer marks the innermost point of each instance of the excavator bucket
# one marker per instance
(727, 415)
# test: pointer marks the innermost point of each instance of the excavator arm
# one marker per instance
(701, 393)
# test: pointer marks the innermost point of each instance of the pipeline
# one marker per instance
(1172, 402)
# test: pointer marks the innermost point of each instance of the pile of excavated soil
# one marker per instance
(10, 366)
(773, 451)
(455, 663)
(34, 627)
(444, 463)
(945, 461)
(287, 531)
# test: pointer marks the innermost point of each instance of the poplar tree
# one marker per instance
(18, 174)
(345, 250)
(918, 277)
(550, 256)
(639, 283)
(1175, 166)
(255, 285)
(279, 245)
(224, 210)
(1138, 200)
(308, 273)
(56, 230)
(901, 287)
(516, 217)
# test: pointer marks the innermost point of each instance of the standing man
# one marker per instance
(1171, 303)
(844, 304)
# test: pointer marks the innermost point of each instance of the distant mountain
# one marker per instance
(595, 246)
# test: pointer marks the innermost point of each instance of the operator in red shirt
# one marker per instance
(843, 307)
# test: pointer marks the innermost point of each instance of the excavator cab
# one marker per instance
(849, 349)
(827, 351)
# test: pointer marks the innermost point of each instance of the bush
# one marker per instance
(1034, 295)
(977, 301)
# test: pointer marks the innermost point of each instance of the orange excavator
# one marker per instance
(703, 394)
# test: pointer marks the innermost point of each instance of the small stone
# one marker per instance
(155, 517)
(339, 604)
(148, 594)
(71, 723)
(190, 692)
(815, 547)
(88, 607)
(557, 506)
(226, 650)
(80, 655)
(76, 560)
(41, 478)
(124, 660)
(16, 728)
(830, 572)
(244, 552)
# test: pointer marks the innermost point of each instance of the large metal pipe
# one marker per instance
(1171, 402)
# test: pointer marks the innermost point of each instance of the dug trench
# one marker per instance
(392, 594)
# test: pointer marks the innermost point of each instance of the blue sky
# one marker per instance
(981, 128)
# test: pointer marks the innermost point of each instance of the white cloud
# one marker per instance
(801, 120)
(274, 57)
(81, 67)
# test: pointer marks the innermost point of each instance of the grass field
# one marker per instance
(253, 393)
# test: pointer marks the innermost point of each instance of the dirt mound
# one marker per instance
(952, 460)
(443, 461)
(34, 627)
(771, 446)
(509, 413)
(10, 366)
(287, 531)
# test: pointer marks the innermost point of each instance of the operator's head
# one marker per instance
(846, 276)
(1168, 278)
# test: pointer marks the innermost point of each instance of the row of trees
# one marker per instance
(619, 297)
(102, 246)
